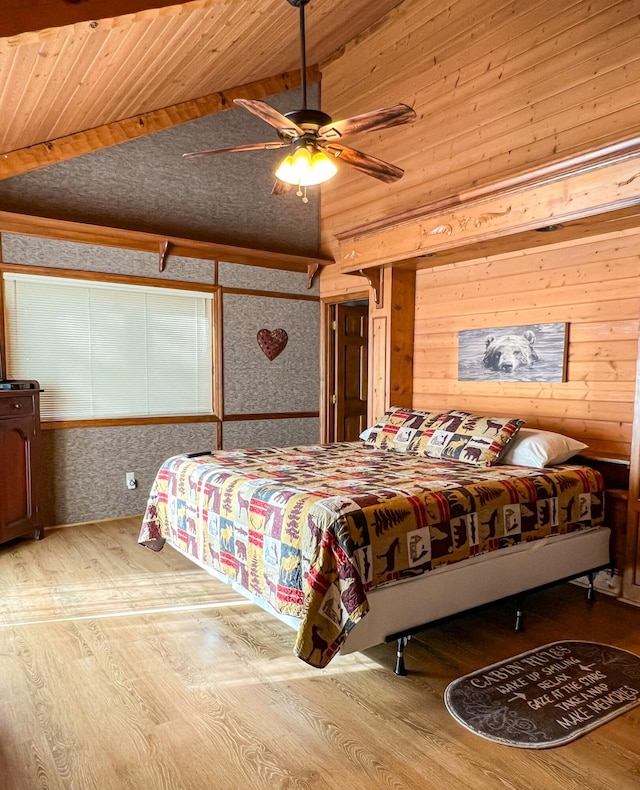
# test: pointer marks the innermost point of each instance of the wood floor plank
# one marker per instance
(121, 668)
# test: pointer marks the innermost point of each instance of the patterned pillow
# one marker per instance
(398, 427)
(462, 436)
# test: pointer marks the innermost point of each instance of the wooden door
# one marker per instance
(350, 329)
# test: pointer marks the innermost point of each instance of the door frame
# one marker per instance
(327, 358)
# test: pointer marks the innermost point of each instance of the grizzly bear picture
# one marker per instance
(530, 352)
(510, 352)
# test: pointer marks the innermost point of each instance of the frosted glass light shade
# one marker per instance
(306, 168)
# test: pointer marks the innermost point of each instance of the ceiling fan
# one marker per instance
(315, 137)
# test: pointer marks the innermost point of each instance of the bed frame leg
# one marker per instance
(400, 668)
(519, 626)
(591, 590)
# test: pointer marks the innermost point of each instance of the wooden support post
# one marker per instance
(391, 343)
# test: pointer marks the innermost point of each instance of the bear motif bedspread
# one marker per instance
(310, 529)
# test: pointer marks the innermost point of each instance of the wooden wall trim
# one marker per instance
(597, 182)
(84, 233)
(271, 415)
(217, 360)
(83, 274)
(54, 425)
(62, 149)
(327, 369)
(270, 294)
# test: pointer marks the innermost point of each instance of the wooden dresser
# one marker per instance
(20, 460)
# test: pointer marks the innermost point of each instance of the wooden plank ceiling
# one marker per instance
(99, 68)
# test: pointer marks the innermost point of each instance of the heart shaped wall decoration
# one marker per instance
(272, 342)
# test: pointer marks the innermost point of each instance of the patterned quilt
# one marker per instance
(310, 530)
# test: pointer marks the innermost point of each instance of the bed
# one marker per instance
(352, 543)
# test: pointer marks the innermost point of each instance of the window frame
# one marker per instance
(154, 282)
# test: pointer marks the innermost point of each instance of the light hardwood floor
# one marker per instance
(121, 668)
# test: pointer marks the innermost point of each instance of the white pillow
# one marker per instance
(365, 434)
(532, 447)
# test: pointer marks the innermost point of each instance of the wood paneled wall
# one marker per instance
(594, 286)
(499, 88)
(336, 285)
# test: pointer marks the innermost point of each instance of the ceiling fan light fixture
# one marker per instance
(307, 166)
(315, 140)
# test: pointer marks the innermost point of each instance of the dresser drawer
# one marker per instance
(14, 405)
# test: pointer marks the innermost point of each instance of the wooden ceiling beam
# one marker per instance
(20, 16)
(601, 182)
(52, 152)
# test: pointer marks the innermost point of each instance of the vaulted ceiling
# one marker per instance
(90, 74)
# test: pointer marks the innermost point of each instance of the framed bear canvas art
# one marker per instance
(531, 352)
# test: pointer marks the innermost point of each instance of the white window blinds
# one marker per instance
(107, 350)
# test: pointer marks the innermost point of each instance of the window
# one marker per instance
(103, 349)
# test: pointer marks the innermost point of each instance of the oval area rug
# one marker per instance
(547, 696)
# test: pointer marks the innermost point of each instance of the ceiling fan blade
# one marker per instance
(271, 116)
(365, 163)
(236, 148)
(368, 121)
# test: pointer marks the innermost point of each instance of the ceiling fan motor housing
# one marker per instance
(307, 120)
(313, 119)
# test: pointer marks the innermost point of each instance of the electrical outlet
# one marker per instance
(130, 478)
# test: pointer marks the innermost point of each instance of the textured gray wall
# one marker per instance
(270, 433)
(233, 275)
(32, 251)
(253, 384)
(85, 467)
(145, 184)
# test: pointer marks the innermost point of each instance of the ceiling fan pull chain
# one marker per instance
(302, 193)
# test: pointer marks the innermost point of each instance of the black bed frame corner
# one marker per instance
(402, 638)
